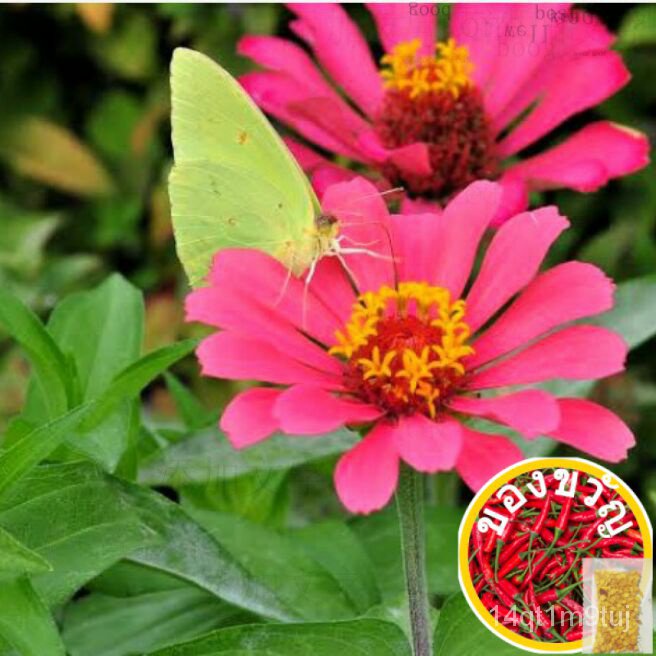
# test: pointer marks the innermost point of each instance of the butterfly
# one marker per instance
(234, 183)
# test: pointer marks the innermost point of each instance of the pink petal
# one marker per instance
(463, 223)
(588, 159)
(265, 280)
(239, 357)
(311, 410)
(397, 23)
(584, 82)
(415, 237)
(322, 171)
(229, 308)
(342, 51)
(419, 206)
(308, 158)
(277, 94)
(530, 412)
(473, 25)
(426, 445)
(364, 224)
(517, 58)
(593, 429)
(511, 261)
(483, 456)
(336, 118)
(514, 198)
(324, 177)
(413, 159)
(568, 39)
(568, 292)
(575, 353)
(249, 419)
(366, 476)
(283, 56)
(330, 285)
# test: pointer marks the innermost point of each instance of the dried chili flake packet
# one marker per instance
(617, 606)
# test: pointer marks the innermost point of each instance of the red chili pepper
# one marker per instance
(617, 541)
(490, 541)
(572, 605)
(540, 615)
(534, 570)
(547, 597)
(620, 553)
(509, 589)
(575, 634)
(511, 564)
(634, 535)
(538, 525)
(586, 516)
(563, 518)
(486, 569)
(512, 549)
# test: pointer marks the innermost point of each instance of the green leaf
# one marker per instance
(380, 535)
(16, 558)
(355, 638)
(73, 518)
(460, 633)
(51, 367)
(30, 450)
(134, 378)
(335, 547)
(25, 622)
(24, 238)
(188, 551)
(100, 625)
(287, 569)
(208, 456)
(638, 27)
(193, 414)
(101, 332)
(262, 497)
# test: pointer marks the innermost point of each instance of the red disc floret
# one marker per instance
(456, 130)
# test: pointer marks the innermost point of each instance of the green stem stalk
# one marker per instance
(410, 506)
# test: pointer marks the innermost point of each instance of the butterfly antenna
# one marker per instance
(387, 192)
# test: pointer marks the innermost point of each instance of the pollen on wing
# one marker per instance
(404, 347)
(448, 70)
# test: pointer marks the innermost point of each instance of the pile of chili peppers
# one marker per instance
(529, 577)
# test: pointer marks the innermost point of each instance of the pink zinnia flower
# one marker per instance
(412, 350)
(434, 117)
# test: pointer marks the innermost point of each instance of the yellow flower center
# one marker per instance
(404, 69)
(404, 347)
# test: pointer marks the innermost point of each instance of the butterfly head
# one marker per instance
(327, 229)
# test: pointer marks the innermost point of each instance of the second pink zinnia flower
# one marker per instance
(415, 350)
(437, 115)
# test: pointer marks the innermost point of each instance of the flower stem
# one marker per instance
(410, 506)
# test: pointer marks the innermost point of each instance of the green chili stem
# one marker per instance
(410, 507)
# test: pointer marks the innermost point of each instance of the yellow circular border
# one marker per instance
(472, 512)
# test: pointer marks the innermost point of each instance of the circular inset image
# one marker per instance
(524, 537)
